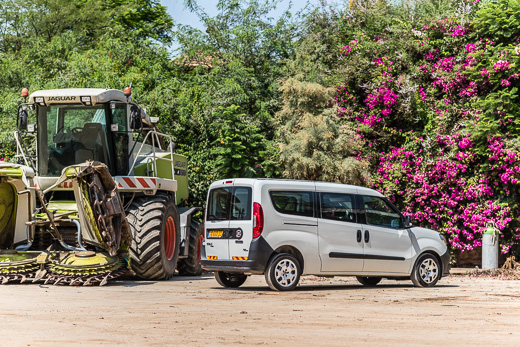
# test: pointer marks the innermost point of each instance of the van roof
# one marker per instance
(360, 189)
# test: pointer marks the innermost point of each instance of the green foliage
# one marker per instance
(239, 146)
(315, 146)
(498, 20)
(143, 18)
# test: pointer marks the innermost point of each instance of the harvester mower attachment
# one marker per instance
(102, 233)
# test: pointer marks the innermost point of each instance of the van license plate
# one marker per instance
(215, 234)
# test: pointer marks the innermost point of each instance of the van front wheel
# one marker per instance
(427, 271)
(230, 280)
(283, 272)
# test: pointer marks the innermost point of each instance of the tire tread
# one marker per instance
(145, 216)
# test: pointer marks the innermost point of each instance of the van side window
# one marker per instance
(379, 212)
(295, 203)
(229, 203)
(338, 207)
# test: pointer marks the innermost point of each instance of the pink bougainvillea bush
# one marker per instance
(437, 108)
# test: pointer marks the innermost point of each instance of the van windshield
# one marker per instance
(230, 203)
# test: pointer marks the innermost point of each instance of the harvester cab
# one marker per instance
(99, 190)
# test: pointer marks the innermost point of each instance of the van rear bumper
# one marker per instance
(258, 257)
(248, 266)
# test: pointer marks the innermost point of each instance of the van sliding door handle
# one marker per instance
(359, 236)
(367, 236)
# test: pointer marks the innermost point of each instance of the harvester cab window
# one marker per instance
(120, 137)
(71, 134)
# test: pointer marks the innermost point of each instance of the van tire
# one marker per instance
(154, 223)
(283, 272)
(230, 280)
(190, 266)
(368, 281)
(427, 271)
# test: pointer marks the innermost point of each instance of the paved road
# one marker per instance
(321, 312)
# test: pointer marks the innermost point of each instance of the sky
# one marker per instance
(181, 15)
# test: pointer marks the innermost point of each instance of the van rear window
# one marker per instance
(295, 203)
(230, 203)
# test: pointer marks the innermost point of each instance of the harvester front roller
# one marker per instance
(154, 222)
(84, 268)
(17, 266)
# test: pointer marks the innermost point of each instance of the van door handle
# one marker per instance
(359, 236)
(367, 236)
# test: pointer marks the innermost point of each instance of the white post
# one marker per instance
(490, 248)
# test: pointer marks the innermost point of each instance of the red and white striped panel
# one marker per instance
(136, 182)
(65, 185)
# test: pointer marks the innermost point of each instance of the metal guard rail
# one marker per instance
(155, 138)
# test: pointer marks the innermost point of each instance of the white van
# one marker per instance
(285, 229)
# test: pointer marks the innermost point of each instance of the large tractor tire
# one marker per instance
(190, 266)
(154, 222)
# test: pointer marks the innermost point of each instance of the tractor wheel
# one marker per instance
(191, 266)
(154, 222)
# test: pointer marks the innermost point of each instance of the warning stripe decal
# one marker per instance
(143, 182)
(129, 181)
(239, 258)
(132, 183)
(136, 182)
(65, 185)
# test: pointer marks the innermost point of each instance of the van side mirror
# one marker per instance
(135, 118)
(22, 118)
(406, 222)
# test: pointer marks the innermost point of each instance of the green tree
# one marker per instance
(315, 146)
(239, 145)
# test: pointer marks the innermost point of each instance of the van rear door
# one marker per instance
(217, 223)
(229, 221)
(241, 220)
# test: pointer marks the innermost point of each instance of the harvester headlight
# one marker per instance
(40, 100)
(86, 100)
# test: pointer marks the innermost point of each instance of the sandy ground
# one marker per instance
(321, 312)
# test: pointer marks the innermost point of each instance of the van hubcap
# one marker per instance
(428, 271)
(285, 272)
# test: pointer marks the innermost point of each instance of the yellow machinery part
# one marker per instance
(7, 214)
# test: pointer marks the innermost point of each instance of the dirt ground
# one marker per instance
(321, 312)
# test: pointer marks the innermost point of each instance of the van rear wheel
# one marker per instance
(368, 281)
(230, 280)
(283, 272)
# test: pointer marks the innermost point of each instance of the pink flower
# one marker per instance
(458, 31)
(345, 50)
(484, 72)
(501, 65)
(470, 47)
(465, 143)
(505, 83)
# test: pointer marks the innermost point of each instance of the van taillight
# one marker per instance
(258, 220)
